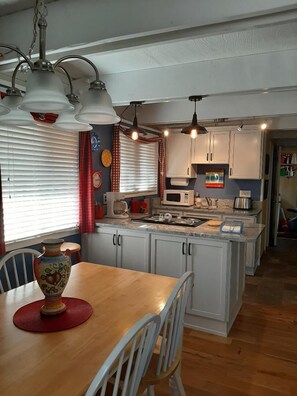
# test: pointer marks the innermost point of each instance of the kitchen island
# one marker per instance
(216, 258)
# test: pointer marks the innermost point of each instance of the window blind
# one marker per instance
(138, 167)
(39, 168)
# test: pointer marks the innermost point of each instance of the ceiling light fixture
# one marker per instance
(240, 127)
(134, 132)
(44, 89)
(66, 121)
(166, 132)
(194, 128)
(264, 126)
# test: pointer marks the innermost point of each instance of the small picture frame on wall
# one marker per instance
(97, 179)
(214, 178)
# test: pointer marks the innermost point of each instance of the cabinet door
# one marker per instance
(133, 250)
(101, 247)
(168, 255)
(219, 148)
(178, 156)
(209, 262)
(246, 155)
(200, 151)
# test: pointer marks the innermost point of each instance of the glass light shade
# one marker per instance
(3, 109)
(67, 121)
(16, 116)
(45, 94)
(97, 108)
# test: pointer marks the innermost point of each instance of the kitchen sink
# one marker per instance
(174, 220)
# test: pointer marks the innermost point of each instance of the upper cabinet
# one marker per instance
(246, 152)
(211, 148)
(178, 156)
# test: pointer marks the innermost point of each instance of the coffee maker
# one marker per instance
(117, 208)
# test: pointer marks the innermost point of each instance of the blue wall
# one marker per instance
(231, 186)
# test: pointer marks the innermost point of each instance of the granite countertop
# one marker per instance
(250, 232)
(219, 211)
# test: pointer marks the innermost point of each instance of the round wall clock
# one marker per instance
(106, 158)
(97, 179)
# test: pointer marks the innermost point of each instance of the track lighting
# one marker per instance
(45, 90)
(240, 127)
(194, 128)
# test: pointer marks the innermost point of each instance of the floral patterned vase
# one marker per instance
(52, 270)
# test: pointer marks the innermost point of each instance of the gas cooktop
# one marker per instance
(174, 220)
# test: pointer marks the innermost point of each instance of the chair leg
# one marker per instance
(151, 390)
(178, 383)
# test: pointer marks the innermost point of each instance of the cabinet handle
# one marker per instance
(189, 249)
(211, 156)
(207, 157)
(183, 248)
(230, 172)
(188, 171)
(119, 240)
(114, 241)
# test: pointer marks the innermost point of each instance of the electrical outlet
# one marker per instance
(245, 193)
(104, 199)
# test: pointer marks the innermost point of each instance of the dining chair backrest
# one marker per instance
(172, 322)
(16, 268)
(126, 363)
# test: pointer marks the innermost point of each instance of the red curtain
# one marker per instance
(115, 170)
(115, 179)
(2, 244)
(86, 190)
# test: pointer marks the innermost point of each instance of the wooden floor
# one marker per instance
(259, 357)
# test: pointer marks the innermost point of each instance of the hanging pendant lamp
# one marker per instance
(134, 132)
(194, 128)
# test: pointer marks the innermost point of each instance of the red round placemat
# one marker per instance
(29, 317)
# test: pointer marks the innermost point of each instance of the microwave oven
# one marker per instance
(178, 197)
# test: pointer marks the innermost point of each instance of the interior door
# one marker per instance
(275, 197)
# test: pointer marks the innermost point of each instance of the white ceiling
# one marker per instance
(241, 55)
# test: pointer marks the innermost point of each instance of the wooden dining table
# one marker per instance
(65, 362)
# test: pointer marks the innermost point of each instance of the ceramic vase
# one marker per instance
(52, 270)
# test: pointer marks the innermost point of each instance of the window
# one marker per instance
(39, 167)
(138, 167)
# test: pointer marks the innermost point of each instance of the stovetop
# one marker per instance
(174, 220)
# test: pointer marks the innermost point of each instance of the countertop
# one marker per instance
(250, 232)
(218, 211)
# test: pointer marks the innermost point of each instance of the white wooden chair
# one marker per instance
(16, 268)
(123, 369)
(166, 359)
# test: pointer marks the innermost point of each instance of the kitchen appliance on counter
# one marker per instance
(168, 219)
(117, 208)
(243, 203)
(178, 197)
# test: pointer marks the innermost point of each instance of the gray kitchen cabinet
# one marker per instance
(173, 255)
(168, 255)
(211, 148)
(246, 152)
(253, 248)
(118, 248)
(178, 156)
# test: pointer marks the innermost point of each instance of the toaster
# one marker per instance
(244, 203)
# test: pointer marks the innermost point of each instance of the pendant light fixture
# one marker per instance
(134, 132)
(194, 128)
(44, 89)
(240, 127)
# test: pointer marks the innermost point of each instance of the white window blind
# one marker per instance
(138, 167)
(39, 167)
